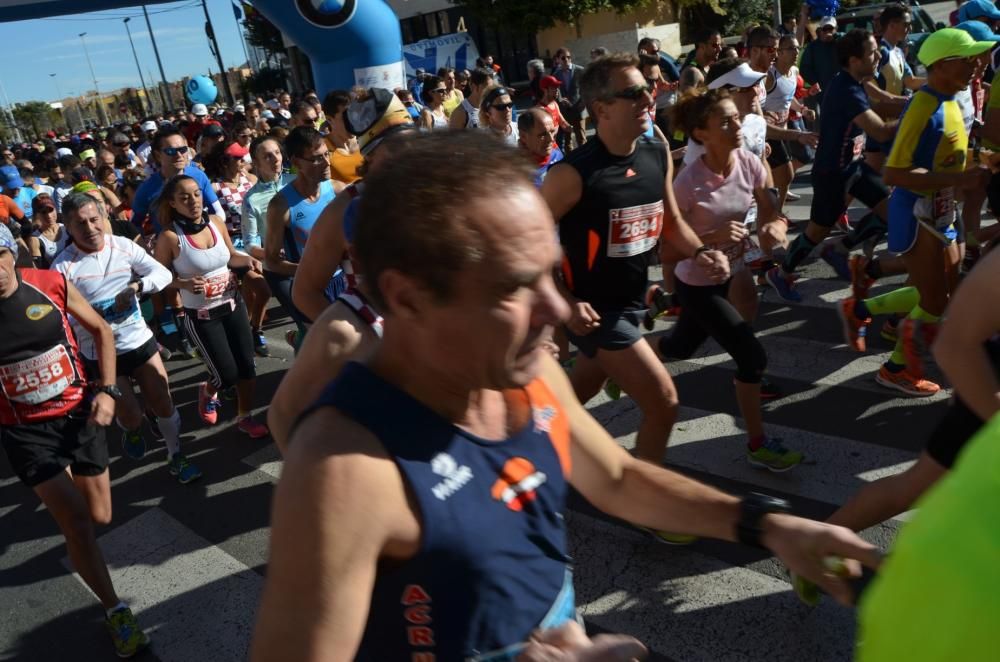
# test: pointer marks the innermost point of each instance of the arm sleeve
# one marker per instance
(155, 277)
(915, 120)
(249, 227)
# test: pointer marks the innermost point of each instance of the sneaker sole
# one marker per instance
(765, 465)
(902, 389)
(183, 481)
(845, 327)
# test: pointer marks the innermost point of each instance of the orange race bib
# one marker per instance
(218, 285)
(859, 144)
(38, 379)
(634, 230)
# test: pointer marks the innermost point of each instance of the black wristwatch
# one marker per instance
(752, 510)
(701, 249)
(137, 281)
(110, 389)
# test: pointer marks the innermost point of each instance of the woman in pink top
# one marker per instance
(714, 194)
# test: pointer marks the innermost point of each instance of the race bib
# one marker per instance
(38, 379)
(634, 230)
(115, 318)
(938, 209)
(219, 285)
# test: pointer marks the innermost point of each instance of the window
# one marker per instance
(443, 22)
(430, 20)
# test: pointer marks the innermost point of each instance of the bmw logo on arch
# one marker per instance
(327, 13)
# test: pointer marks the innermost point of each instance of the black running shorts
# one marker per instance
(41, 451)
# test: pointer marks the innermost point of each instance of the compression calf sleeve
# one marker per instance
(869, 227)
(797, 252)
(919, 313)
(898, 301)
(170, 428)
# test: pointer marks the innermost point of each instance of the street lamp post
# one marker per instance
(59, 97)
(101, 114)
(141, 79)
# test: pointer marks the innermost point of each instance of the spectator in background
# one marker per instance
(411, 106)
(466, 116)
(550, 104)
(14, 188)
(708, 47)
(819, 59)
(454, 96)
(536, 139)
(345, 157)
(571, 103)
(536, 69)
(302, 114)
(432, 117)
(211, 136)
(416, 84)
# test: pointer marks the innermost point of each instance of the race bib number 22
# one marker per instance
(634, 230)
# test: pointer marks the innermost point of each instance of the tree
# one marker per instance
(261, 33)
(36, 114)
(531, 16)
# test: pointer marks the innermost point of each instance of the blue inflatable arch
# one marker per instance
(349, 42)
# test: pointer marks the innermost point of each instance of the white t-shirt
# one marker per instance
(754, 130)
(100, 276)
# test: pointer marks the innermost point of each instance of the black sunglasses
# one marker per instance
(502, 107)
(174, 151)
(632, 92)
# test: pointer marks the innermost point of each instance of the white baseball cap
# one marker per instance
(63, 151)
(267, 114)
(284, 113)
(827, 21)
(239, 108)
(199, 109)
(741, 76)
(148, 125)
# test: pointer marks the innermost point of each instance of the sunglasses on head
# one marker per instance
(632, 92)
(174, 151)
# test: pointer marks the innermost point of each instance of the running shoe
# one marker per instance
(890, 330)
(918, 337)
(248, 426)
(837, 260)
(659, 304)
(784, 286)
(792, 197)
(182, 468)
(133, 445)
(903, 381)
(855, 329)
(189, 350)
(861, 282)
(844, 223)
(774, 456)
(208, 405)
(808, 592)
(126, 634)
(666, 537)
(260, 344)
(165, 353)
(613, 390)
(292, 338)
(769, 390)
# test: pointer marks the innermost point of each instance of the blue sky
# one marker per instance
(34, 49)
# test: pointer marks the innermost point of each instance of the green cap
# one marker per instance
(949, 42)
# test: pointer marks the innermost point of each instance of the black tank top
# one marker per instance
(609, 236)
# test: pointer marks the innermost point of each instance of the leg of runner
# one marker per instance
(154, 385)
(257, 294)
(587, 377)
(926, 264)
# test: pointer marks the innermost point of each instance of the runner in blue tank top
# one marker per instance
(292, 213)
(420, 511)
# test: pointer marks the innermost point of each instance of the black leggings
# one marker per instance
(226, 345)
(281, 288)
(705, 311)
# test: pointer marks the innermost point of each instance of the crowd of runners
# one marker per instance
(463, 277)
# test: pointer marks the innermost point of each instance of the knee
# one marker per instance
(100, 513)
(78, 525)
(670, 347)
(751, 363)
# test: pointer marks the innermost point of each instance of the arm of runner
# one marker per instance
(332, 341)
(166, 250)
(885, 101)
(807, 138)
(648, 495)
(250, 229)
(336, 509)
(972, 318)
(321, 258)
(102, 409)
(876, 127)
(155, 277)
(459, 118)
(990, 130)
(678, 236)
(277, 223)
(237, 259)
(562, 189)
(771, 229)
(426, 120)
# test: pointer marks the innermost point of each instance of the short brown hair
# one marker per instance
(694, 108)
(414, 214)
(595, 82)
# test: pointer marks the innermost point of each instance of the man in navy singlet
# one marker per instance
(419, 515)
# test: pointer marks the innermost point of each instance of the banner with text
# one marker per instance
(451, 50)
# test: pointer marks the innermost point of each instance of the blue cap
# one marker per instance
(7, 240)
(978, 31)
(978, 9)
(10, 178)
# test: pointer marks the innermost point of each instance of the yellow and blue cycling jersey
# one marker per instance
(931, 136)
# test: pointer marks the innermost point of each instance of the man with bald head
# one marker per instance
(536, 139)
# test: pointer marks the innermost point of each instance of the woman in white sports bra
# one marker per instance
(196, 246)
(49, 236)
(433, 117)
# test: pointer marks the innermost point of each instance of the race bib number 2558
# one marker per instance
(634, 230)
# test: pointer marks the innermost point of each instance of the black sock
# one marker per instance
(797, 252)
(869, 227)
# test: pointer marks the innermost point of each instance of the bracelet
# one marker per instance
(698, 251)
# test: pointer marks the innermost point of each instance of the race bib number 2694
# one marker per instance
(634, 230)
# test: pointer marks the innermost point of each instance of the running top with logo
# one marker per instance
(609, 236)
(41, 376)
(302, 216)
(100, 276)
(212, 264)
(892, 68)
(492, 563)
(841, 141)
(932, 136)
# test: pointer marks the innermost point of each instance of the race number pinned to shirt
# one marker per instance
(116, 318)
(634, 230)
(218, 285)
(38, 379)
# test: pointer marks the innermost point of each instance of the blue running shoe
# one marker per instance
(182, 468)
(133, 445)
(782, 285)
(837, 260)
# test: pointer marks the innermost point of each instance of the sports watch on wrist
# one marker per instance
(753, 507)
(109, 389)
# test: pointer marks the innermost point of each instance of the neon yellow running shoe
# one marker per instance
(126, 634)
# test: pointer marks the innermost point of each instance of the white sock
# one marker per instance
(170, 428)
(117, 607)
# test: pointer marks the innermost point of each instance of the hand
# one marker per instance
(569, 643)
(809, 139)
(731, 232)
(772, 235)
(809, 114)
(678, 153)
(716, 265)
(102, 410)
(124, 299)
(802, 544)
(256, 266)
(196, 285)
(583, 318)
(814, 89)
